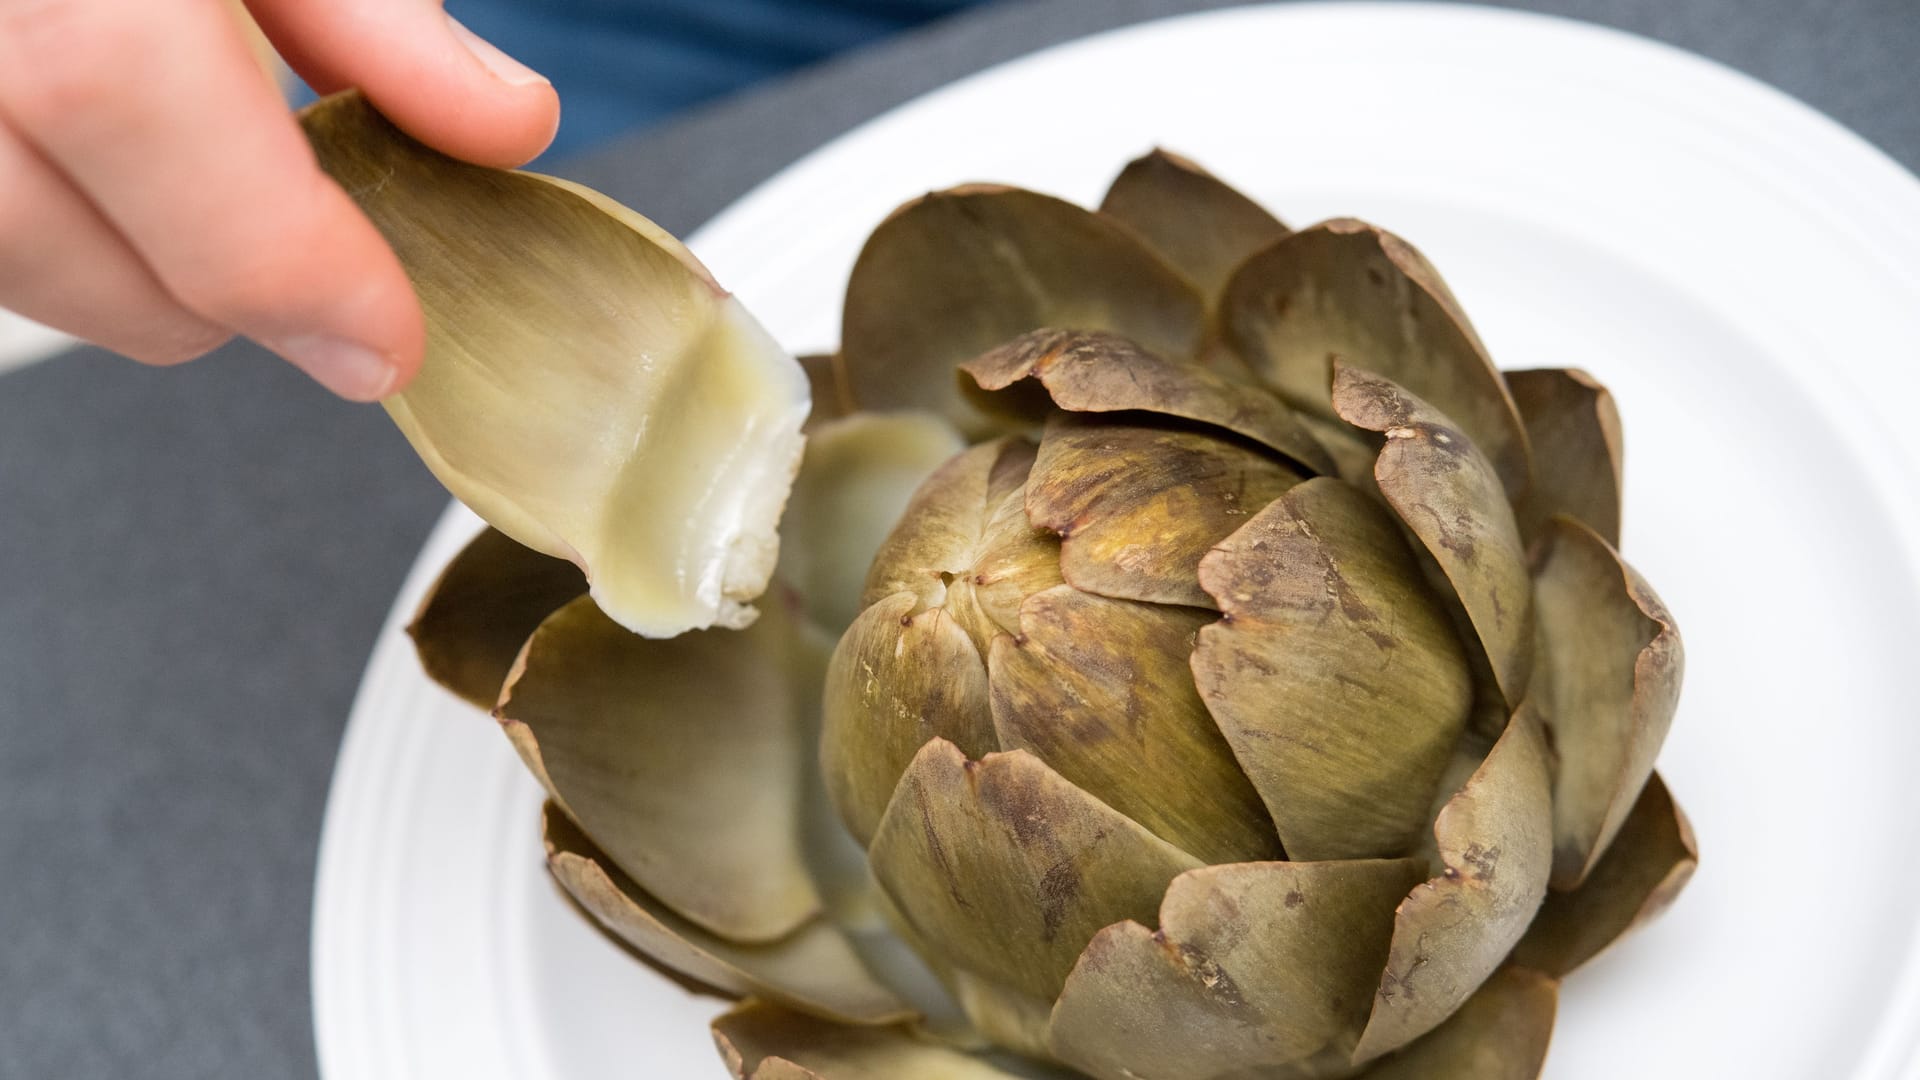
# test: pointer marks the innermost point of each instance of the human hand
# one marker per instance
(157, 197)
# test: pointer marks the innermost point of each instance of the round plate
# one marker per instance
(1743, 273)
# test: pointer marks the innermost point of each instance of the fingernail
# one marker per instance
(353, 371)
(510, 71)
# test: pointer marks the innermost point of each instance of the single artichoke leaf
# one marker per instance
(1346, 290)
(1334, 675)
(1574, 427)
(1137, 504)
(1195, 220)
(1650, 860)
(762, 1041)
(827, 388)
(1445, 491)
(813, 968)
(1100, 690)
(481, 610)
(1614, 663)
(1006, 870)
(1257, 964)
(1096, 372)
(1496, 848)
(898, 678)
(682, 758)
(954, 273)
(588, 389)
(1501, 1033)
(858, 474)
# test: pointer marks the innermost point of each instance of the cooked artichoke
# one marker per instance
(1222, 671)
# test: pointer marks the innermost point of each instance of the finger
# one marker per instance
(427, 73)
(159, 115)
(63, 265)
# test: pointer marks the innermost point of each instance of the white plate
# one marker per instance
(1741, 271)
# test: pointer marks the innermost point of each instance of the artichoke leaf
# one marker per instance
(1196, 221)
(588, 389)
(1445, 491)
(482, 608)
(1095, 372)
(950, 275)
(1006, 871)
(814, 968)
(1336, 676)
(1451, 932)
(1099, 689)
(762, 1041)
(1136, 505)
(1349, 291)
(1574, 427)
(1650, 860)
(1615, 663)
(1501, 1033)
(827, 388)
(1254, 965)
(682, 758)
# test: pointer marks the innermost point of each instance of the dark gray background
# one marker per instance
(195, 562)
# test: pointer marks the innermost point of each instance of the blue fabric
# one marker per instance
(624, 64)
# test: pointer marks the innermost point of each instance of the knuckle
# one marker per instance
(65, 62)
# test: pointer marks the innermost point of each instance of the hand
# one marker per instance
(157, 197)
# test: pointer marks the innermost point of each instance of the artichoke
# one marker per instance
(1185, 645)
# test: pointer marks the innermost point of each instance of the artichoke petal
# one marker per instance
(1335, 676)
(858, 474)
(1445, 491)
(682, 758)
(1254, 964)
(1196, 221)
(1650, 860)
(951, 275)
(1006, 870)
(762, 1041)
(1501, 1033)
(1450, 933)
(1095, 372)
(1099, 689)
(482, 608)
(1136, 505)
(588, 389)
(1345, 290)
(814, 968)
(898, 678)
(827, 388)
(1574, 427)
(1614, 662)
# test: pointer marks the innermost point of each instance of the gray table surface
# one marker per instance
(195, 562)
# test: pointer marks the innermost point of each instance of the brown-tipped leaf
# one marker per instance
(1501, 1033)
(1574, 427)
(1195, 220)
(481, 610)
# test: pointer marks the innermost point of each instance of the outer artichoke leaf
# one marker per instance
(1574, 427)
(588, 389)
(858, 474)
(1496, 848)
(1100, 690)
(1006, 870)
(1650, 860)
(481, 610)
(1096, 372)
(762, 1041)
(1346, 290)
(1501, 1033)
(1136, 505)
(954, 273)
(897, 679)
(1446, 492)
(682, 759)
(1195, 220)
(1335, 676)
(1254, 965)
(814, 968)
(827, 387)
(1614, 663)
